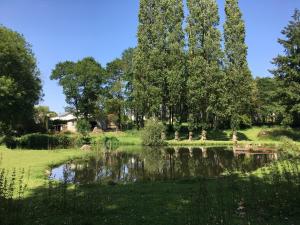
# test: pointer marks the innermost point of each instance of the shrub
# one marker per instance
(65, 141)
(151, 134)
(38, 141)
(45, 141)
(289, 146)
(83, 127)
(10, 142)
(111, 143)
(83, 140)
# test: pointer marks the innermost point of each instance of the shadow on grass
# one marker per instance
(276, 134)
(273, 199)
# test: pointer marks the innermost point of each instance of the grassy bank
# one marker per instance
(233, 200)
(35, 162)
(254, 135)
(267, 196)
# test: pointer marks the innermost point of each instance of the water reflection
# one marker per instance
(159, 164)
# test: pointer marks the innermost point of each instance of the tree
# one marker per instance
(175, 68)
(146, 87)
(239, 82)
(287, 72)
(20, 84)
(42, 115)
(116, 89)
(82, 84)
(206, 80)
(267, 110)
(159, 59)
(128, 77)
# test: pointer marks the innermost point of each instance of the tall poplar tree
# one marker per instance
(146, 91)
(205, 82)
(159, 59)
(171, 48)
(239, 82)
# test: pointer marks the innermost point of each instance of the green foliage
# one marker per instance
(288, 145)
(206, 80)
(151, 134)
(83, 140)
(42, 141)
(287, 72)
(245, 121)
(239, 81)
(83, 126)
(177, 126)
(159, 62)
(10, 142)
(111, 143)
(20, 84)
(267, 110)
(82, 84)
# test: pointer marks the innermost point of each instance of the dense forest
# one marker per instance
(183, 70)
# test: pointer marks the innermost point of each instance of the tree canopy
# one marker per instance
(287, 72)
(20, 83)
(82, 84)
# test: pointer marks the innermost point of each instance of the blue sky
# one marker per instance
(72, 29)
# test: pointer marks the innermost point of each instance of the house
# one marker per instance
(64, 122)
(67, 122)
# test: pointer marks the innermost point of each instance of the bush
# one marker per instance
(111, 143)
(45, 141)
(10, 142)
(289, 146)
(38, 141)
(151, 134)
(83, 140)
(83, 127)
(65, 141)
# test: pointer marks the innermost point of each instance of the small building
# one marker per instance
(64, 122)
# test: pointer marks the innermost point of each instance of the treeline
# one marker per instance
(186, 72)
(183, 70)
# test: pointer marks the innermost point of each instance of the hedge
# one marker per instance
(41, 141)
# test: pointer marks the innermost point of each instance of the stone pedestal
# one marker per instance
(234, 137)
(176, 135)
(190, 136)
(203, 135)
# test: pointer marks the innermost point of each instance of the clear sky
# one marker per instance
(72, 29)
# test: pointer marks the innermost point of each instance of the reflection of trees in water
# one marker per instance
(160, 164)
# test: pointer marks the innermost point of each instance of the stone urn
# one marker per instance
(190, 136)
(176, 135)
(234, 137)
(203, 135)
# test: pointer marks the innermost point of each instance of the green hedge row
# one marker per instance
(58, 141)
(41, 141)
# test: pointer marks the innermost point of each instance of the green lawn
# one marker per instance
(255, 135)
(35, 162)
(269, 196)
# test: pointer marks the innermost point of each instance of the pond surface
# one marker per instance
(159, 164)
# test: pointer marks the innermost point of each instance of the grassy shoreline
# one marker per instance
(255, 135)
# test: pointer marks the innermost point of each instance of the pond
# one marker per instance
(159, 164)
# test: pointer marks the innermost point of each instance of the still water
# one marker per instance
(159, 164)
